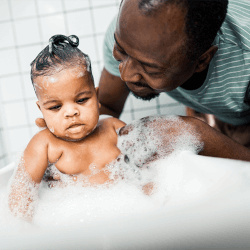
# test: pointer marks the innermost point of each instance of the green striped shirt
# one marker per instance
(224, 89)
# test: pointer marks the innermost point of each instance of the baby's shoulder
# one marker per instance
(43, 135)
(38, 144)
(112, 122)
(44, 140)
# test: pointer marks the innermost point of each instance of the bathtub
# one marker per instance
(218, 216)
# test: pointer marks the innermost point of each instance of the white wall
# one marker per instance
(25, 28)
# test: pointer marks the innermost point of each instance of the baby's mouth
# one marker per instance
(75, 128)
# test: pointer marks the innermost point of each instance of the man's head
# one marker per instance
(67, 98)
(162, 43)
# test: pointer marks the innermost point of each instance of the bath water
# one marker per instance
(181, 182)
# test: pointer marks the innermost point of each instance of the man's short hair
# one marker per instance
(203, 20)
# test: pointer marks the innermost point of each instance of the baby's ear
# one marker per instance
(40, 122)
(38, 105)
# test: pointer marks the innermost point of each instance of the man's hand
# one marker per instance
(152, 138)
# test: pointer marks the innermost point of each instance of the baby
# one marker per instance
(74, 139)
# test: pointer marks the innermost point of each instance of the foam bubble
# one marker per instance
(52, 130)
(88, 64)
(156, 137)
(51, 79)
(131, 174)
(23, 193)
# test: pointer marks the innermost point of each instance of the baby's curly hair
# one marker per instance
(61, 53)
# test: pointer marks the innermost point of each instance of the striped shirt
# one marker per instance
(225, 87)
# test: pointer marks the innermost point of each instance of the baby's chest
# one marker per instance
(74, 161)
(80, 160)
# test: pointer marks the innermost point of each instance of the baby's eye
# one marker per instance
(56, 107)
(82, 100)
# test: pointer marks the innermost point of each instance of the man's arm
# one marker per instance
(112, 90)
(112, 94)
(166, 132)
(217, 144)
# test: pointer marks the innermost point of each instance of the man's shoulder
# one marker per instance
(235, 29)
(110, 64)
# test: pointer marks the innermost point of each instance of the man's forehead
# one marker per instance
(148, 7)
(153, 34)
(168, 19)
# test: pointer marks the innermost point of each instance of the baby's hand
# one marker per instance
(40, 122)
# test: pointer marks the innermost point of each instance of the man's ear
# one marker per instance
(38, 105)
(206, 58)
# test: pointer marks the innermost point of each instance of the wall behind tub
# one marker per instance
(25, 27)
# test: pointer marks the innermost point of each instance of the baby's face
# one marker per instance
(69, 104)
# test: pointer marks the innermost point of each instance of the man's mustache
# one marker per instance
(140, 84)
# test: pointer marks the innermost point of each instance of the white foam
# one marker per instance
(23, 193)
(146, 137)
(184, 185)
(215, 212)
(157, 137)
(51, 129)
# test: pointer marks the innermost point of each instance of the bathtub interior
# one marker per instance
(200, 202)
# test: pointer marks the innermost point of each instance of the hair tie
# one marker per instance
(56, 40)
(73, 40)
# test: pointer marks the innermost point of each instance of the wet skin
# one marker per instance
(75, 137)
(68, 103)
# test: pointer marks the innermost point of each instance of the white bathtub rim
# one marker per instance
(7, 168)
(6, 173)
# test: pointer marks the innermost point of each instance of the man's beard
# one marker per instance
(147, 97)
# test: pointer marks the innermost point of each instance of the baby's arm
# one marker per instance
(24, 184)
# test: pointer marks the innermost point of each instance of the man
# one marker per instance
(183, 48)
(171, 46)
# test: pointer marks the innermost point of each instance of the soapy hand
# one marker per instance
(163, 135)
(151, 138)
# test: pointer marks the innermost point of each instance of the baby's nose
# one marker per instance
(71, 111)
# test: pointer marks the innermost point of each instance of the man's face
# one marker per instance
(151, 49)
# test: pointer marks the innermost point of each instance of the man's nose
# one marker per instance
(71, 110)
(129, 70)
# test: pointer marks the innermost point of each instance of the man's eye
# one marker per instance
(82, 100)
(122, 52)
(155, 73)
(118, 54)
(57, 107)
